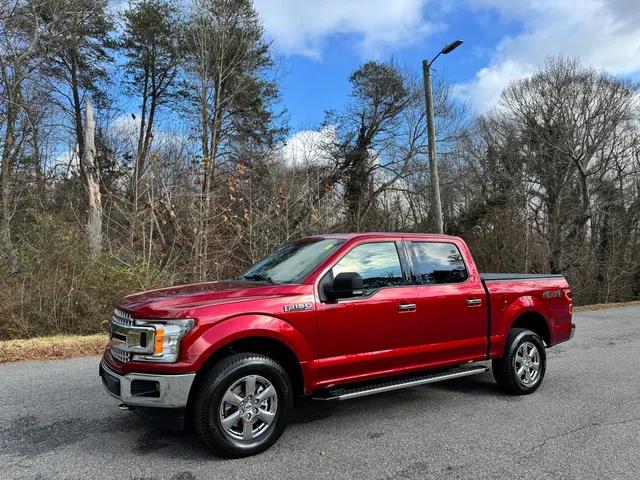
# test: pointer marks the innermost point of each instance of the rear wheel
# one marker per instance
(242, 405)
(521, 370)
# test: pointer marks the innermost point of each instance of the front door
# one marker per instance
(368, 333)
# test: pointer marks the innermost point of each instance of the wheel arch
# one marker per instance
(536, 322)
(263, 345)
(261, 334)
(524, 312)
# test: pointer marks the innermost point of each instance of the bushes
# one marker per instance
(61, 288)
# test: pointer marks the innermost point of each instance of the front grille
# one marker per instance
(120, 355)
(122, 318)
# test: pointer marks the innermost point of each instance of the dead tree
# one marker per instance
(91, 179)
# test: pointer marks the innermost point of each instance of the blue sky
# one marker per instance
(312, 84)
(318, 43)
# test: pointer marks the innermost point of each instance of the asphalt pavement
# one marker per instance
(56, 422)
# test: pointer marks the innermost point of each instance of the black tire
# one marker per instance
(209, 397)
(505, 368)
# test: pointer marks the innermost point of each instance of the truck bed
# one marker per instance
(547, 295)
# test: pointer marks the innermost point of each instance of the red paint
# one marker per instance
(360, 338)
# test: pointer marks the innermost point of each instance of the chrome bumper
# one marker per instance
(146, 389)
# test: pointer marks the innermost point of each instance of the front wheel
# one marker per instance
(521, 370)
(242, 405)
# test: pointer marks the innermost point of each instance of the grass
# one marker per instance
(50, 348)
(602, 306)
(67, 346)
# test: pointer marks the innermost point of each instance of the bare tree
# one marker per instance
(227, 57)
(20, 37)
(151, 42)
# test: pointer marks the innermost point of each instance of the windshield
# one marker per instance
(292, 263)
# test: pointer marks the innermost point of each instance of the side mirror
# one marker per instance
(346, 284)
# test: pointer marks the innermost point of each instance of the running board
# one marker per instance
(405, 382)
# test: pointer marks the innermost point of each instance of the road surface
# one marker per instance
(56, 422)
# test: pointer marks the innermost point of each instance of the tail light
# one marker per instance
(567, 294)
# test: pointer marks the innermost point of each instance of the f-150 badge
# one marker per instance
(297, 307)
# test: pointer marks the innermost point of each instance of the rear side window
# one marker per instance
(438, 263)
(377, 263)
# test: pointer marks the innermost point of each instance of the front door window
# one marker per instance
(377, 263)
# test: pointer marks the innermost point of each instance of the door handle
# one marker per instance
(474, 302)
(406, 307)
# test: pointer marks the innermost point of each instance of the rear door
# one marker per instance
(452, 304)
(368, 333)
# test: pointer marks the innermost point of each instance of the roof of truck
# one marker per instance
(349, 236)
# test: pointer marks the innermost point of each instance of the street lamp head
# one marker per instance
(451, 47)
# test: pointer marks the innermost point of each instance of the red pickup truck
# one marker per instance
(332, 316)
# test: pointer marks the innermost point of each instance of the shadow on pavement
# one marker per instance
(475, 385)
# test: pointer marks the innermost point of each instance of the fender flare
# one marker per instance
(518, 307)
(225, 332)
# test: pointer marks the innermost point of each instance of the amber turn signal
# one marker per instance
(159, 345)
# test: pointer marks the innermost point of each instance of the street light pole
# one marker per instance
(433, 164)
(431, 134)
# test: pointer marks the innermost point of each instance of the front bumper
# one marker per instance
(146, 389)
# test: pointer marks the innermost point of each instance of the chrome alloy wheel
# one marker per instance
(527, 364)
(248, 408)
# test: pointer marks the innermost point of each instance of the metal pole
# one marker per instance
(433, 164)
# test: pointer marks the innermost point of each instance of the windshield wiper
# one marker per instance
(261, 277)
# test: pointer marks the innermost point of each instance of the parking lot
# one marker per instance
(584, 422)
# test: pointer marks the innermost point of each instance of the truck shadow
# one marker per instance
(307, 410)
(475, 385)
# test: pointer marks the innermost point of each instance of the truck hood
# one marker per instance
(176, 301)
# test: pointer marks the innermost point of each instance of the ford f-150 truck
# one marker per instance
(332, 316)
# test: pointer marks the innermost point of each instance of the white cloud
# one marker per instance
(309, 147)
(126, 129)
(303, 27)
(603, 34)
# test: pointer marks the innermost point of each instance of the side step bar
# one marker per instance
(405, 382)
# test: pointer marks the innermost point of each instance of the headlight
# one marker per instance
(168, 334)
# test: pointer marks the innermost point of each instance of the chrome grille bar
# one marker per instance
(122, 318)
(128, 338)
(120, 354)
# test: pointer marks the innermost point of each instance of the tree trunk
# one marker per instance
(149, 131)
(138, 165)
(200, 240)
(356, 187)
(77, 110)
(554, 233)
(140, 154)
(37, 161)
(7, 173)
(91, 178)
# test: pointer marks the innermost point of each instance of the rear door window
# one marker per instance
(438, 263)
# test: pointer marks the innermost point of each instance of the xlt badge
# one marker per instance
(296, 307)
